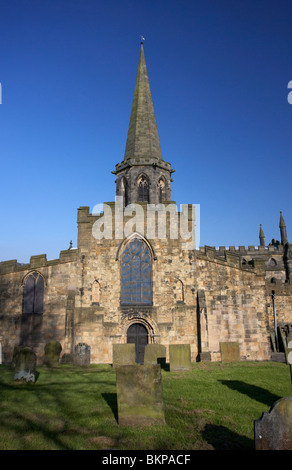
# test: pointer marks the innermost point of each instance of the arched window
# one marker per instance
(143, 189)
(33, 293)
(179, 290)
(161, 190)
(96, 292)
(136, 273)
(124, 191)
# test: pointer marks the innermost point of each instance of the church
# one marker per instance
(138, 277)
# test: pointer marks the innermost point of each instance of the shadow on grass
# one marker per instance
(111, 400)
(221, 438)
(253, 391)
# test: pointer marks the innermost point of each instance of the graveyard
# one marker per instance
(83, 406)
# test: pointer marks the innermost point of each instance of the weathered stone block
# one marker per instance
(139, 395)
(25, 365)
(81, 354)
(230, 352)
(52, 353)
(123, 354)
(273, 431)
(155, 354)
(180, 357)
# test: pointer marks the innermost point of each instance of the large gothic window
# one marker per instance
(33, 294)
(136, 273)
(143, 189)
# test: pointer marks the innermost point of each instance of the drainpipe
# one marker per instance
(275, 319)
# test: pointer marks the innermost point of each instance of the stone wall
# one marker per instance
(200, 297)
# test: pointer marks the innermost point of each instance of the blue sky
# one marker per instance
(218, 71)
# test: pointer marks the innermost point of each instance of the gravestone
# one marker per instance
(230, 351)
(52, 353)
(180, 357)
(273, 431)
(124, 354)
(81, 355)
(155, 354)
(139, 395)
(16, 350)
(67, 358)
(25, 365)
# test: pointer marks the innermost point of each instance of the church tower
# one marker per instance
(143, 175)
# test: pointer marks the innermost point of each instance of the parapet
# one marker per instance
(38, 261)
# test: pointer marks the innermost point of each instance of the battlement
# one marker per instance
(242, 250)
(38, 261)
(256, 256)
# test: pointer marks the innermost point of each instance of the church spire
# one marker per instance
(143, 175)
(143, 140)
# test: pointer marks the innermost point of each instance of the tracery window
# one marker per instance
(143, 189)
(136, 273)
(33, 293)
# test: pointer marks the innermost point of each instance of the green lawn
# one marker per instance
(212, 407)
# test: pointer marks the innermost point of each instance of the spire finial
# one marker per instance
(262, 236)
(142, 39)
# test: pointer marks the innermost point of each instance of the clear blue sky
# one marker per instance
(218, 71)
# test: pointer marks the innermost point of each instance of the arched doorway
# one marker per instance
(138, 335)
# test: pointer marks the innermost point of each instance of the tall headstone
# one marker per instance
(139, 395)
(124, 354)
(230, 351)
(25, 365)
(81, 355)
(273, 431)
(155, 354)
(52, 353)
(180, 357)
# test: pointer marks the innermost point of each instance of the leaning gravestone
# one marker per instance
(139, 395)
(155, 354)
(52, 353)
(273, 431)
(230, 352)
(124, 354)
(25, 365)
(81, 355)
(180, 357)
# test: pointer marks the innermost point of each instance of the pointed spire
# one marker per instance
(262, 236)
(283, 230)
(143, 140)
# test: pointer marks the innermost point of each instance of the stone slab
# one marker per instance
(81, 355)
(52, 353)
(230, 351)
(180, 357)
(139, 395)
(25, 365)
(273, 431)
(155, 354)
(124, 354)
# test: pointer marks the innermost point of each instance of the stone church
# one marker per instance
(136, 275)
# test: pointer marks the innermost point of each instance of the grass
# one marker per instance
(212, 407)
